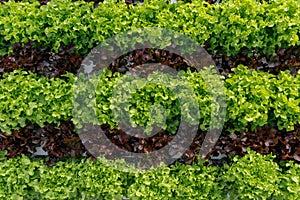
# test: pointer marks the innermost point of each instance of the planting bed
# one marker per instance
(255, 46)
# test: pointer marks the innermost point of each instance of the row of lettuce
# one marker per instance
(248, 99)
(225, 27)
(253, 176)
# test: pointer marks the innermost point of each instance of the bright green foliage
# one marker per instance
(197, 181)
(256, 25)
(261, 98)
(19, 23)
(26, 97)
(67, 180)
(22, 178)
(208, 86)
(17, 178)
(91, 98)
(148, 108)
(290, 183)
(253, 98)
(177, 182)
(286, 104)
(251, 177)
(194, 19)
(160, 100)
(228, 26)
(249, 97)
(156, 184)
